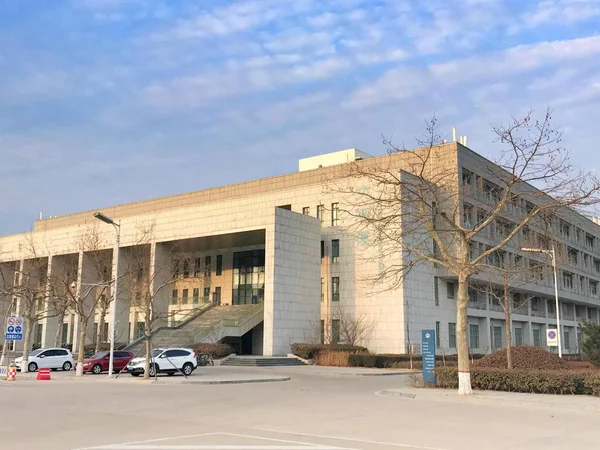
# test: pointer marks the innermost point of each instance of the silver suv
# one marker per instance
(165, 360)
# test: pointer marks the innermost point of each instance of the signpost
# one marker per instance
(428, 354)
(14, 329)
(551, 337)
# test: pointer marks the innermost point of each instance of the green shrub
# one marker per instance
(217, 351)
(524, 380)
(310, 351)
(523, 357)
(591, 343)
(387, 361)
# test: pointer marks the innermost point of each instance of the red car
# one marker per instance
(99, 362)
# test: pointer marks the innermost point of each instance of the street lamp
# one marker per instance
(552, 254)
(113, 318)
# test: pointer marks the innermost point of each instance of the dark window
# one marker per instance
(450, 290)
(335, 251)
(139, 329)
(184, 296)
(196, 296)
(197, 267)
(217, 295)
(335, 289)
(207, 266)
(320, 214)
(65, 333)
(186, 268)
(286, 207)
(206, 294)
(335, 331)
(248, 277)
(175, 353)
(104, 333)
(452, 335)
(322, 331)
(306, 210)
(175, 268)
(219, 270)
(174, 295)
(335, 211)
(436, 292)
(437, 334)
(322, 249)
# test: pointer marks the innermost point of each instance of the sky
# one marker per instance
(112, 101)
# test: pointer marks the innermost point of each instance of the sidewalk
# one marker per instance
(582, 403)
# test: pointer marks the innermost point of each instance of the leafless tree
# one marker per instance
(355, 326)
(409, 210)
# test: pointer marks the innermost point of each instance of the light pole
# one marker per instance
(552, 254)
(113, 316)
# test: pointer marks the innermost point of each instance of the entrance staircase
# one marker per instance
(208, 326)
(262, 361)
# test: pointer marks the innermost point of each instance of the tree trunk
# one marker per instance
(462, 345)
(81, 346)
(58, 336)
(100, 329)
(148, 355)
(4, 350)
(508, 326)
(29, 322)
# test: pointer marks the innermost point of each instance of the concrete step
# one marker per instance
(261, 361)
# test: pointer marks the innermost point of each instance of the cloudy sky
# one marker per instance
(112, 101)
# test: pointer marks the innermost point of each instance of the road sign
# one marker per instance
(14, 329)
(428, 354)
(551, 337)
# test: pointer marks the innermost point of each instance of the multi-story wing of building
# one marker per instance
(267, 263)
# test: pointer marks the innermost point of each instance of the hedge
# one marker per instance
(310, 351)
(217, 351)
(523, 357)
(397, 361)
(525, 380)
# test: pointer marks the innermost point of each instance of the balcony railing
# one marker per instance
(538, 312)
(477, 305)
(496, 307)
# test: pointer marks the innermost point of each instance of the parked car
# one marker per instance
(99, 362)
(47, 358)
(169, 361)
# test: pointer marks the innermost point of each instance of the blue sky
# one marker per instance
(113, 101)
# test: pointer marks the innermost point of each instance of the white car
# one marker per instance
(165, 360)
(47, 358)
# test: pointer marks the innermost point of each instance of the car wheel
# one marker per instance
(188, 368)
(67, 366)
(32, 367)
(97, 369)
(153, 370)
(135, 374)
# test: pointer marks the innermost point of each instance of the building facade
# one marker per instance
(284, 244)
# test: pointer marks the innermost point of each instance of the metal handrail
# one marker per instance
(229, 323)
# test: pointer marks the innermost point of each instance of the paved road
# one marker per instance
(317, 409)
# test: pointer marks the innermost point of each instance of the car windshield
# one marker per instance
(99, 355)
(156, 352)
(36, 352)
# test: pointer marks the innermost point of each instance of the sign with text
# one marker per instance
(551, 337)
(428, 353)
(14, 329)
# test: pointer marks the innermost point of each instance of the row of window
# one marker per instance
(335, 251)
(335, 332)
(335, 213)
(473, 335)
(195, 299)
(186, 270)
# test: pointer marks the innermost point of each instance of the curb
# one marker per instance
(355, 374)
(209, 382)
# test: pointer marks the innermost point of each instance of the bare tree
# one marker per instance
(354, 326)
(409, 210)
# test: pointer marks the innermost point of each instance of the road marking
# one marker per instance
(146, 441)
(362, 441)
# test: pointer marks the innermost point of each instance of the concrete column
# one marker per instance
(7, 278)
(86, 275)
(50, 320)
(160, 275)
(488, 328)
(123, 305)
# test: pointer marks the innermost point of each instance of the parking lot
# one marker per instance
(318, 408)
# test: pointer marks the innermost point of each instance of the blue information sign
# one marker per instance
(428, 353)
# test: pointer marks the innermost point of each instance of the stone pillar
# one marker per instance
(87, 277)
(490, 337)
(292, 280)
(123, 305)
(160, 276)
(7, 278)
(50, 320)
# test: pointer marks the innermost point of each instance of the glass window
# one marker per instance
(206, 294)
(320, 212)
(335, 289)
(184, 296)
(474, 335)
(104, 332)
(322, 331)
(65, 333)
(207, 266)
(567, 339)
(197, 267)
(322, 250)
(452, 335)
(186, 268)
(139, 329)
(450, 290)
(196, 296)
(335, 331)
(248, 277)
(175, 268)
(306, 210)
(437, 334)
(537, 341)
(335, 251)
(497, 337)
(335, 212)
(219, 269)
(322, 289)
(568, 280)
(39, 329)
(518, 336)
(174, 295)
(217, 299)
(436, 293)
